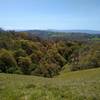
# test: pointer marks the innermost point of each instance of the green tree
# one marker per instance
(7, 61)
(25, 64)
(20, 52)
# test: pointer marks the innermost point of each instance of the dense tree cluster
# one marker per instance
(24, 53)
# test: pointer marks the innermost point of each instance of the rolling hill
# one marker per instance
(79, 85)
(69, 34)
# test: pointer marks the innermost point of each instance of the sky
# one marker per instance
(50, 14)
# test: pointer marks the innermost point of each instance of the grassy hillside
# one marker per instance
(83, 74)
(79, 85)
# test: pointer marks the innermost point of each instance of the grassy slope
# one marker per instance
(84, 74)
(80, 85)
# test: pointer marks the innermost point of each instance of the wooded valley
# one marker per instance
(26, 53)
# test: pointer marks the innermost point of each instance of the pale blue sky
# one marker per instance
(50, 14)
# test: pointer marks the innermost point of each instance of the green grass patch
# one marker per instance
(79, 85)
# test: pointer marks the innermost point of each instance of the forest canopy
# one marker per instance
(26, 53)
